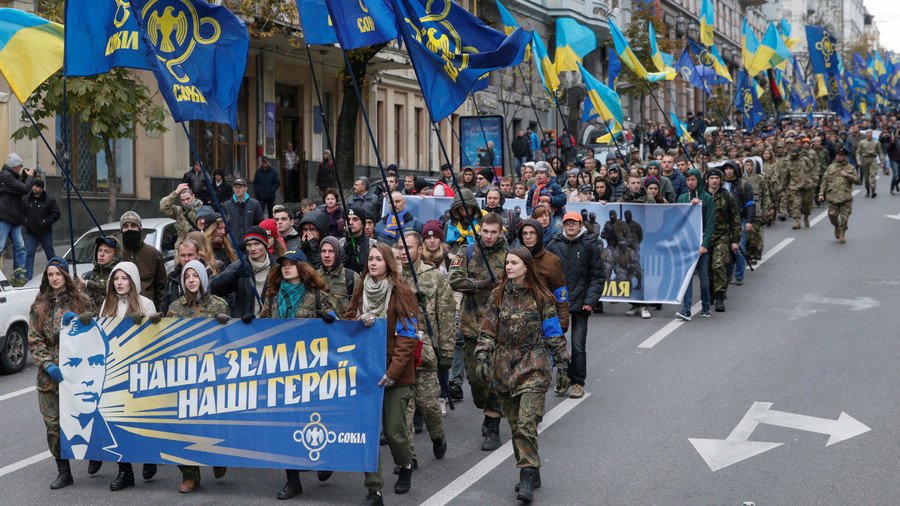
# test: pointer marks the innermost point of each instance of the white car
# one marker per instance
(15, 306)
(158, 232)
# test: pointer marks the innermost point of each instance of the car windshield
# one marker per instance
(84, 246)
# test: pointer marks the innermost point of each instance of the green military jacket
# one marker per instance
(801, 173)
(209, 307)
(336, 281)
(185, 219)
(727, 218)
(867, 148)
(520, 336)
(441, 308)
(838, 188)
(761, 196)
(470, 277)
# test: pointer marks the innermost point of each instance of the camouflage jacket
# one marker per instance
(727, 217)
(773, 176)
(470, 277)
(441, 307)
(801, 174)
(208, 308)
(185, 219)
(95, 280)
(520, 335)
(836, 188)
(43, 341)
(339, 292)
(761, 196)
(306, 309)
(868, 148)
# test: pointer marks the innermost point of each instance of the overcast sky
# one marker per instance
(887, 17)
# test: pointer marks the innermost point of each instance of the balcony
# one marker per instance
(592, 13)
(751, 3)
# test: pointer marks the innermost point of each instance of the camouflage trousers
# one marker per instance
(525, 412)
(839, 214)
(755, 239)
(721, 258)
(427, 390)
(48, 404)
(801, 202)
(393, 423)
(483, 394)
(867, 171)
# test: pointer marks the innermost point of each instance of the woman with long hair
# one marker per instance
(220, 243)
(58, 294)
(296, 290)
(197, 302)
(383, 293)
(520, 333)
(123, 298)
(205, 250)
(602, 192)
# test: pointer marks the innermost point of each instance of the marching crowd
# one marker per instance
(493, 296)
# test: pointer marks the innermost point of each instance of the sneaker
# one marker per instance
(577, 392)
(705, 313)
(683, 315)
(645, 313)
(631, 312)
(739, 282)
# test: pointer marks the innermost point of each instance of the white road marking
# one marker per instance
(17, 393)
(481, 469)
(822, 216)
(670, 327)
(24, 463)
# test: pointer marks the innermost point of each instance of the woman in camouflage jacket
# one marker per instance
(519, 334)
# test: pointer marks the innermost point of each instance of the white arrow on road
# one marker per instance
(804, 307)
(721, 453)
(893, 217)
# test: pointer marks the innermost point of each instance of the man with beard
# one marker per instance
(493, 203)
(148, 259)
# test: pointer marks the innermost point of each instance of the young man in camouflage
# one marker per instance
(181, 206)
(866, 152)
(837, 189)
(469, 275)
(800, 180)
(762, 200)
(437, 352)
(106, 256)
(726, 235)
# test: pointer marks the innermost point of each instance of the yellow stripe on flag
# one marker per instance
(30, 57)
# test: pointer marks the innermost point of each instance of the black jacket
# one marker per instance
(581, 263)
(12, 188)
(224, 192)
(521, 147)
(325, 175)
(242, 216)
(40, 213)
(743, 194)
(237, 280)
(311, 248)
(266, 183)
(197, 183)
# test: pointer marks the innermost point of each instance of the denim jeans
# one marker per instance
(578, 365)
(15, 231)
(703, 272)
(31, 244)
(518, 165)
(739, 261)
(895, 179)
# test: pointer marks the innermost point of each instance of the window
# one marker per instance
(89, 171)
(400, 133)
(222, 147)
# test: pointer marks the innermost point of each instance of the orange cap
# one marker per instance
(572, 215)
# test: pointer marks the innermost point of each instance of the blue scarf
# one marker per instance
(290, 297)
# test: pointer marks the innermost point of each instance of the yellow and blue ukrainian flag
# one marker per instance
(785, 30)
(629, 58)
(749, 44)
(31, 50)
(546, 69)
(316, 22)
(680, 129)
(573, 42)
(605, 101)
(196, 50)
(659, 58)
(450, 49)
(771, 53)
(510, 24)
(707, 22)
(719, 64)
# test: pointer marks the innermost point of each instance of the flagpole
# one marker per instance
(67, 156)
(337, 179)
(669, 123)
(530, 99)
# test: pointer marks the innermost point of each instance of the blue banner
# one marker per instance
(274, 393)
(362, 22)
(196, 51)
(658, 261)
(316, 23)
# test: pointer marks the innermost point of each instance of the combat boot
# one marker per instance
(535, 480)
(841, 239)
(806, 220)
(492, 438)
(720, 302)
(124, 479)
(439, 446)
(796, 224)
(64, 479)
(526, 485)
(94, 466)
(404, 482)
(292, 487)
(837, 232)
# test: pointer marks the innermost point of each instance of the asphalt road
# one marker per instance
(814, 331)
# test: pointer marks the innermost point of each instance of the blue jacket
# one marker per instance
(552, 190)
(386, 228)
(678, 182)
(266, 183)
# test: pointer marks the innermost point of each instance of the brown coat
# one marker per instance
(549, 267)
(400, 362)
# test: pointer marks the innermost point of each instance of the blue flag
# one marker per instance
(196, 51)
(747, 102)
(615, 68)
(587, 110)
(825, 63)
(450, 49)
(359, 23)
(801, 96)
(685, 66)
(316, 23)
